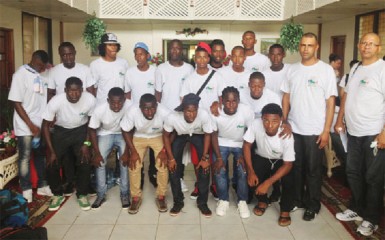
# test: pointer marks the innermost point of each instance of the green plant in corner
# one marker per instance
(290, 36)
(93, 31)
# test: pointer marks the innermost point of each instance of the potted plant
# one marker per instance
(290, 36)
(8, 141)
(93, 31)
(156, 59)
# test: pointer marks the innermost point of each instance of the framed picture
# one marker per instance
(266, 43)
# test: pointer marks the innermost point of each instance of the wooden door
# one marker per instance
(7, 64)
(338, 47)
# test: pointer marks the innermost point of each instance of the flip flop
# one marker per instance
(284, 221)
(259, 211)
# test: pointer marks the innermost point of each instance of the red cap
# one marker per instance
(205, 46)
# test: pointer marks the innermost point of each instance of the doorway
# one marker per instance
(188, 48)
(7, 63)
(338, 47)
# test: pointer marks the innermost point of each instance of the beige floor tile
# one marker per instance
(223, 232)
(312, 230)
(89, 232)
(178, 232)
(56, 231)
(102, 215)
(137, 232)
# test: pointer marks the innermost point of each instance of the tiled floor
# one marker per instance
(111, 222)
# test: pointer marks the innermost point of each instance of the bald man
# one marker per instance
(363, 106)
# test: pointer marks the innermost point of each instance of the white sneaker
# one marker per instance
(366, 228)
(243, 209)
(222, 207)
(348, 215)
(183, 185)
(44, 191)
(27, 194)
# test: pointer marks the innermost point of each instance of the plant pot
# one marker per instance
(10, 150)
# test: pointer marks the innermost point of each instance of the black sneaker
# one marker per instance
(125, 199)
(91, 191)
(175, 210)
(213, 190)
(68, 190)
(205, 210)
(309, 215)
(194, 194)
(98, 202)
(152, 178)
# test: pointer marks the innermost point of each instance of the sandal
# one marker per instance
(284, 221)
(260, 210)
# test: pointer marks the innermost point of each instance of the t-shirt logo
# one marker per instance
(82, 114)
(121, 74)
(364, 83)
(209, 88)
(240, 126)
(312, 83)
(255, 69)
(155, 129)
(182, 79)
(150, 85)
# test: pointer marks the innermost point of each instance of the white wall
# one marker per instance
(338, 28)
(11, 18)
(154, 34)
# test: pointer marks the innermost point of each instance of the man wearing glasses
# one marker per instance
(363, 106)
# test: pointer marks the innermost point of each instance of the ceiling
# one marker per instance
(59, 11)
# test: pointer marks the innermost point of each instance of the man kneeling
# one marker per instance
(273, 161)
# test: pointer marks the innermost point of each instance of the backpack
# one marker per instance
(13, 209)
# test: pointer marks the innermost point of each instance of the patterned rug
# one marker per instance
(336, 196)
(38, 208)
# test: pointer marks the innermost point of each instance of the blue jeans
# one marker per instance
(24, 146)
(106, 143)
(222, 176)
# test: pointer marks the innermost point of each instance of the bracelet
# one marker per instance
(87, 143)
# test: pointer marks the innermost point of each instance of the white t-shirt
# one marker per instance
(365, 102)
(309, 88)
(271, 147)
(211, 92)
(34, 103)
(59, 74)
(169, 80)
(274, 79)
(267, 97)
(240, 80)
(108, 75)
(144, 128)
(107, 121)
(138, 82)
(232, 127)
(70, 115)
(257, 63)
(202, 123)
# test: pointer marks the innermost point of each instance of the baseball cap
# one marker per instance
(141, 45)
(109, 38)
(189, 99)
(205, 46)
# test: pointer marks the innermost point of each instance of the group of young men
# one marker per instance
(273, 118)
